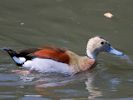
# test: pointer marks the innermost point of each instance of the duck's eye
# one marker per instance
(102, 43)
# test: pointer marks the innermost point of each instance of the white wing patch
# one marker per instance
(19, 60)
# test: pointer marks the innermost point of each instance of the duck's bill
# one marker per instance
(111, 50)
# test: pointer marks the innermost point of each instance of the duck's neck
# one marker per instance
(92, 54)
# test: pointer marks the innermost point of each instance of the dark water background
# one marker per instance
(67, 23)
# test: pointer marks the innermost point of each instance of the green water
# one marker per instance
(69, 24)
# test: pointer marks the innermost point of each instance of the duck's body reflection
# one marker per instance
(56, 85)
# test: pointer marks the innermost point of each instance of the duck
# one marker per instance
(59, 60)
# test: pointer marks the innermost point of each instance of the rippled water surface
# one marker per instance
(69, 24)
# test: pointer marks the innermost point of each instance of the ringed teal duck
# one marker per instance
(51, 59)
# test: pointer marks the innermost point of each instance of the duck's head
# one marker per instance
(97, 44)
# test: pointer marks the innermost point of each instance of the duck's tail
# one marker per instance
(15, 56)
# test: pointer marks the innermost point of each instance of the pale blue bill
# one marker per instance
(111, 50)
